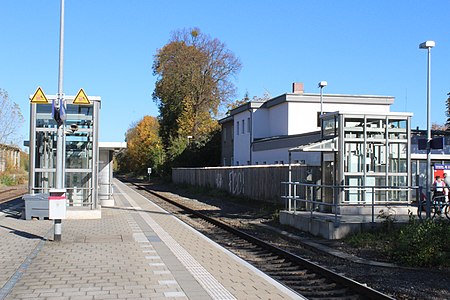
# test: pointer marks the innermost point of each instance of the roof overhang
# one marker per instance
(329, 145)
(112, 146)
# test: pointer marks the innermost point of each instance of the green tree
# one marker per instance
(11, 119)
(194, 73)
(447, 104)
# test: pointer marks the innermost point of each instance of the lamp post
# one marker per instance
(428, 45)
(322, 84)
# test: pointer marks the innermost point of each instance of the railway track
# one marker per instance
(11, 193)
(11, 203)
(303, 276)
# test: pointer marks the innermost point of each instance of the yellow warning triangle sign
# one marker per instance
(81, 98)
(39, 97)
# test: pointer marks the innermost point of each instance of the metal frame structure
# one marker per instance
(363, 149)
(80, 145)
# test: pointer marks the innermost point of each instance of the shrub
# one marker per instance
(7, 180)
(423, 244)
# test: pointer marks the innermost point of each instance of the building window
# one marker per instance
(243, 126)
(224, 134)
(276, 162)
(237, 128)
(248, 125)
(248, 162)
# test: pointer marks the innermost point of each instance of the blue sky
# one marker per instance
(359, 47)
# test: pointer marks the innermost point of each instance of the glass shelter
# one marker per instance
(364, 158)
(80, 148)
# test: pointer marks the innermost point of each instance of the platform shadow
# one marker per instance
(23, 234)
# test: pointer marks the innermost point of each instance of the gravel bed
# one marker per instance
(398, 282)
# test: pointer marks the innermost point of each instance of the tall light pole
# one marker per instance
(322, 84)
(60, 133)
(428, 45)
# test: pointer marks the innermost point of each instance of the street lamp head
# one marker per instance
(323, 84)
(427, 45)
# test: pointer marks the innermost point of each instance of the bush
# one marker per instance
(7, 180)
(423, 244)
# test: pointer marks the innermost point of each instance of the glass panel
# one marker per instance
(44, 181)
(79, 112)
(353, 122)
(375, 123)
(397, 195)
(397, 124)
(376, 158)
(397, 158)
(44, 118)
(353, 157)
(78, 151)
(329, 127)
(45, 150)
(353, 195)
(79, 192)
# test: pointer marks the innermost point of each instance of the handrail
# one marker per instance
(298, 195)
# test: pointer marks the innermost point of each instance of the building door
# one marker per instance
(328, 180)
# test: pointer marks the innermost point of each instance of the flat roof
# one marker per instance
(112, 145)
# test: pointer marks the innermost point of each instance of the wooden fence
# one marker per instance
(255, 182)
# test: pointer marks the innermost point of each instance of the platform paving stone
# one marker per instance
(136, 251)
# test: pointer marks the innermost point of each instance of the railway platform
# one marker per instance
(135, 251)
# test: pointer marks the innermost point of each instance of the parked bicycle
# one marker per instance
(438, 206)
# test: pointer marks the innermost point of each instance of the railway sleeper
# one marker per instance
(301, 277)
(262, 254)
(299, 285)
(285, 267)
(258, 259)
(298, 272)
(241, 243)
(343, 292)
(344, 297)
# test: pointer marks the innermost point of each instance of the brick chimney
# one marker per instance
(297, 88)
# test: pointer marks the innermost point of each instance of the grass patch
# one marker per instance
(8, 179)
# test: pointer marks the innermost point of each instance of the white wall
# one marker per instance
(278, 119)
(303, 117)
(261, 123)
(295, 116)
(241, 139)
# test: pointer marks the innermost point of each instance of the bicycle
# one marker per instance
(438, 206)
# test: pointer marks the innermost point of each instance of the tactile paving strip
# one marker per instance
(207, 281)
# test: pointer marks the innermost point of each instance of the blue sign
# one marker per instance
(441, 167)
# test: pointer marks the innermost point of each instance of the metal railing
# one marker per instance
(84, 200)
(331, 199)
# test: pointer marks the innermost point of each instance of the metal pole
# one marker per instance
(321, 101)
(429, 173)
(60, 133)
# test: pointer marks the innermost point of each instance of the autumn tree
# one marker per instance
(11, 119)
(194, 73)
(144, 147)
